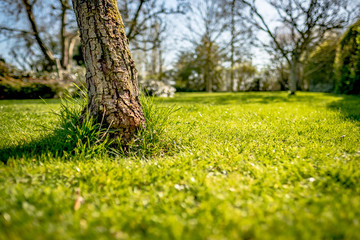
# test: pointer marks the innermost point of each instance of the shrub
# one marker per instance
(347, 62)
(18, 84)
(319, 67)
(16, 89)
(157, 88)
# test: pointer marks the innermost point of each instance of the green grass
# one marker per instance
(240, 166)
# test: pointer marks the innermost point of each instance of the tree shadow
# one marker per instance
(47, 146)
(348, 106)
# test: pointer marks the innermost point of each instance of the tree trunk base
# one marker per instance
(111, 75)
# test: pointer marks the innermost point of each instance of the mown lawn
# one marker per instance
(242, 166)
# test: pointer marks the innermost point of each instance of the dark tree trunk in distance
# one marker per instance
(232, 45)
(111, 75)
(44, 49)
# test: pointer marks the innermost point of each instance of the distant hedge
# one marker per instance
(19, 84)
(347, 61)
(16, 89)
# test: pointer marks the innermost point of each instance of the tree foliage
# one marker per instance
(319, 66)
(347, 62)
(187, 76)
(304, 24)
(196, 68)
(44, 32)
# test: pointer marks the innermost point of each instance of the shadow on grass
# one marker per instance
(238, 98)
(49, 146)
(348, 106)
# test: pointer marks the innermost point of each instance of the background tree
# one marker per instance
(304, 23)
(146, 27)
(282, 69)
(42, 34)
(319, 66)
(198, 68)
(149, 53)
(47, 36)
(111, 75)
(240, 35)
(142, 16)
(188, 73)
(244, 73)
(209, 60)
(206, 27)
(347, 62)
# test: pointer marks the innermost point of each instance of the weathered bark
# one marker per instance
(111, 75)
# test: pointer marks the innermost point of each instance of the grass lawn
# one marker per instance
(242, 166)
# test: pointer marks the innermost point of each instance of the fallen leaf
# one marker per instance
(79, 200)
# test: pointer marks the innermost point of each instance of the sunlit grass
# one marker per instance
(235, 166)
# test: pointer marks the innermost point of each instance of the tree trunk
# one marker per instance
(232, 77)
(70, 50)
(293, 77)
(44, 49)
(208, 76)
(233, 36)
(161, 62)
(208, 80)
(154, 62)
(63, 39)
(111, 75)
(67, 39)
